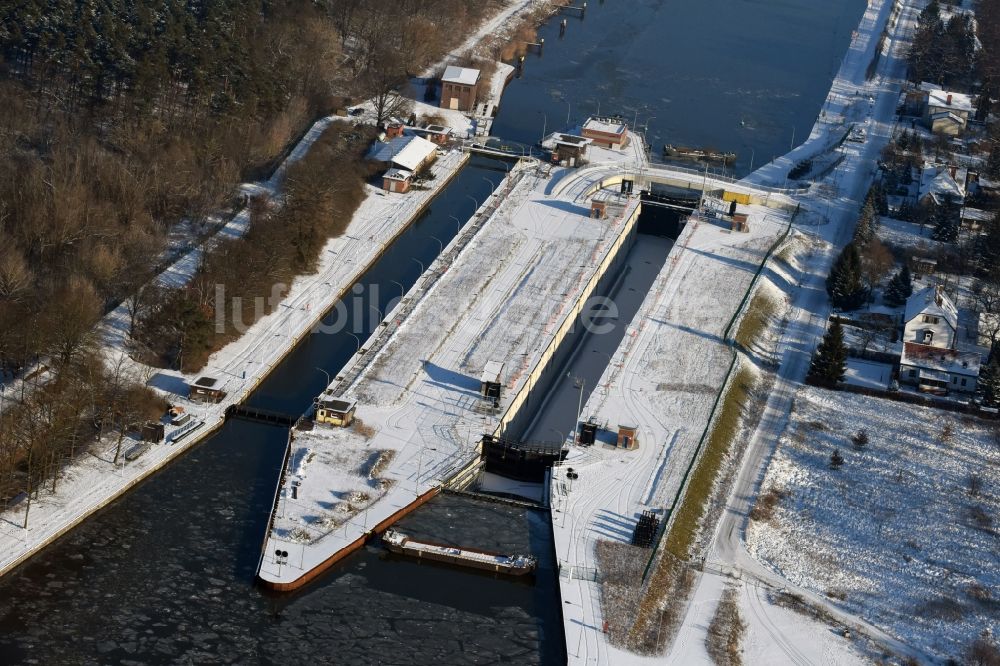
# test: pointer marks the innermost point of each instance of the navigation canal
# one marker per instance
(165, 574)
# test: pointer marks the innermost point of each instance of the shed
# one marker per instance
(740, 222)
(152, 431)
(397, 180)
(207, 389)
(628, 436)
(336, 411)
(491, 380)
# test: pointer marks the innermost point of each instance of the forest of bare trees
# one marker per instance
(125, 130)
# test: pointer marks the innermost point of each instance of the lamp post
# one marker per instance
(578, 382)
(377, 312)
(474, 200)
(402, 289)
(357, 339)
(421, 264)
(490, 183)
(562, 437)
(458, 224)
(568, 107)
(440, 244)
(325, 373)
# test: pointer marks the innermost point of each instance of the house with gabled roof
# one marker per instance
(931, 318)
(931, 359)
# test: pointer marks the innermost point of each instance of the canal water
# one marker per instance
(743, 76)
(165, 574)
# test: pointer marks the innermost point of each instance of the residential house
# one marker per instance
(946, 112)
(931, 359)
(930, 318)
(942, 183)
(606, 132)
(937, 370)
(459, 88)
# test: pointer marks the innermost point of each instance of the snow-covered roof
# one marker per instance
(937, 182)
(937, 98)
(934, 302)
(936, 359)
(406, 152)
(492, 371)
(397, 174)
(461, 75)
(977, 214)
(608, 125)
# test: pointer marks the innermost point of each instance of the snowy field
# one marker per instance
(904, 533)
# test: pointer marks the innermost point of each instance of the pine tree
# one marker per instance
(829, 363)
(867, 226)
(845, 285)
(900, 288)
(989, 381)
(860, 439)
(836, 460)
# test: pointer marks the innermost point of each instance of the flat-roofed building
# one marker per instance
(606, 131)
(459, 88)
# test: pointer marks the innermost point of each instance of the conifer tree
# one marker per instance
(836, 460)
(845, 285)
(989, 381)
(900, 288)
(829, 363)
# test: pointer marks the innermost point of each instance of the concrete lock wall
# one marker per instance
(533, 391)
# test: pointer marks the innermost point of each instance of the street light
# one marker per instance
(357, 339)
(440, 244)
(490, 183)
(568, 106)
(562, 437)
(419, 263)
(473, 200)
(402, 289)
(458, 224)
(578, 382)
(327, 374)
(377, 311)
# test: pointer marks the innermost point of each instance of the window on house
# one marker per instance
(913, 373)
(954, 380)
(963, 382)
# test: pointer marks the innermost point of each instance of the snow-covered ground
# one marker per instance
(907, 235)
(897, 534)
(837, 197)
(663, 379)
(868, 374)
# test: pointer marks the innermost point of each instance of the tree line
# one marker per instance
(126, 128)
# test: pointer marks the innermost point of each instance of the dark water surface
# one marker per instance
(165, 574)
(734, 75)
